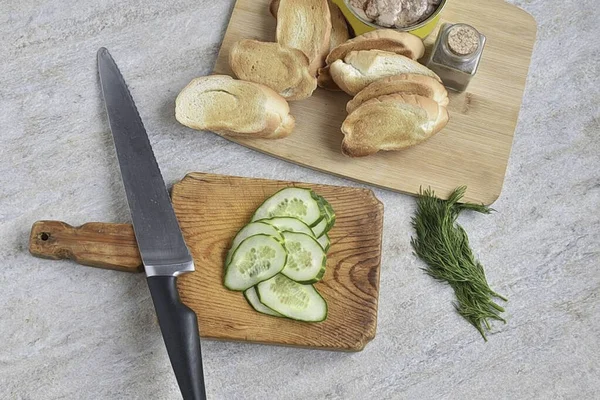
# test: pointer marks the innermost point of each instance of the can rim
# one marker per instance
(437, 12)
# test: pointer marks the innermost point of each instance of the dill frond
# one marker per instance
(444, 246)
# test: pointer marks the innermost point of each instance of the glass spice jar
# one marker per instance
(456, 55)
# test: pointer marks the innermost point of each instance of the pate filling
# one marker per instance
(395, 13)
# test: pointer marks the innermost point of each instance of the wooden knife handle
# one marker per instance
(96, 244)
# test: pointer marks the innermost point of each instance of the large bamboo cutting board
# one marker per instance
(211, 209)
(472, 150)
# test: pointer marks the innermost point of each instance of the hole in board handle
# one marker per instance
(44, 236)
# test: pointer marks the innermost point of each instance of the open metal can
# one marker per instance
(360, 25)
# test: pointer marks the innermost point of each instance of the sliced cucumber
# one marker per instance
(252, 298)
(251, 229)
(292, 299)
(288, 224)
(292, 202)
(256, 259)
(329, 213)
(324, 242)
(306, 259)
(321, 228)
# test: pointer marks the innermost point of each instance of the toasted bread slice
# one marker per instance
(339, 26)
(283, 69)
(421, 85)
(305, 25)
(392, 122)
(339, 35)
(227, 106)
(390, 40)
(361, 68)
(325, 80)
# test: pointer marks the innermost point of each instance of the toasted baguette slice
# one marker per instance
(325, 80)
(421, 85)
(390, 40)
(283, 69)
(392, 122)
(339, 26)
(305, 25)
(361, 68)
(227, 106)
(339, 35)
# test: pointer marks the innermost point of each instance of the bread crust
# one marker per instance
(361, 68)
(325, 80)
(390, 40)
(273, 7)
(405, 83)
(339, 26)
(391, 122)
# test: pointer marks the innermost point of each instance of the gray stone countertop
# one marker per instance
(70, 332)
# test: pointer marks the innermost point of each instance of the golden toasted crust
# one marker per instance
(403, 84)
(392, 122)
(273, 6)
(325, 80)
(359, 69)
(390, 40)
(283, 69)
(339, 26)
(312, 38)
(230, 107)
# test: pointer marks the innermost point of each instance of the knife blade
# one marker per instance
(162, 247)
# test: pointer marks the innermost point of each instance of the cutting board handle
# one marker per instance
(96, 244)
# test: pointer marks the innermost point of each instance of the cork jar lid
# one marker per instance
(463, 40)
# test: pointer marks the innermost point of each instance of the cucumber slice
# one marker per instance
(288, 224)
(321, 228)
(306, 258)
(256, 259)
(292, 202)
(252, 298)
(292, 299)
(253, 228)
(324, 242)
(329, 213)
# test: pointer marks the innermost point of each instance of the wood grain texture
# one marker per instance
(472, 150)
(211, 209)
(109, 246)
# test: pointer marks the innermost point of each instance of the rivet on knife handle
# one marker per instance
(101, 245)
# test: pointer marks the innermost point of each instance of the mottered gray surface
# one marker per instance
(70, 332)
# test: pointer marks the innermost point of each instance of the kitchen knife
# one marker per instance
(162, 248)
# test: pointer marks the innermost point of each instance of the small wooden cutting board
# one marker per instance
(211, 209)
(474, 148)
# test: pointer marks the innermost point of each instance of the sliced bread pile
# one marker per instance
(397, 102)
(290, 65)
(270, 74)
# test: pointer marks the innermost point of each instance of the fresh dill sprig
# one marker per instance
(444, 246)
